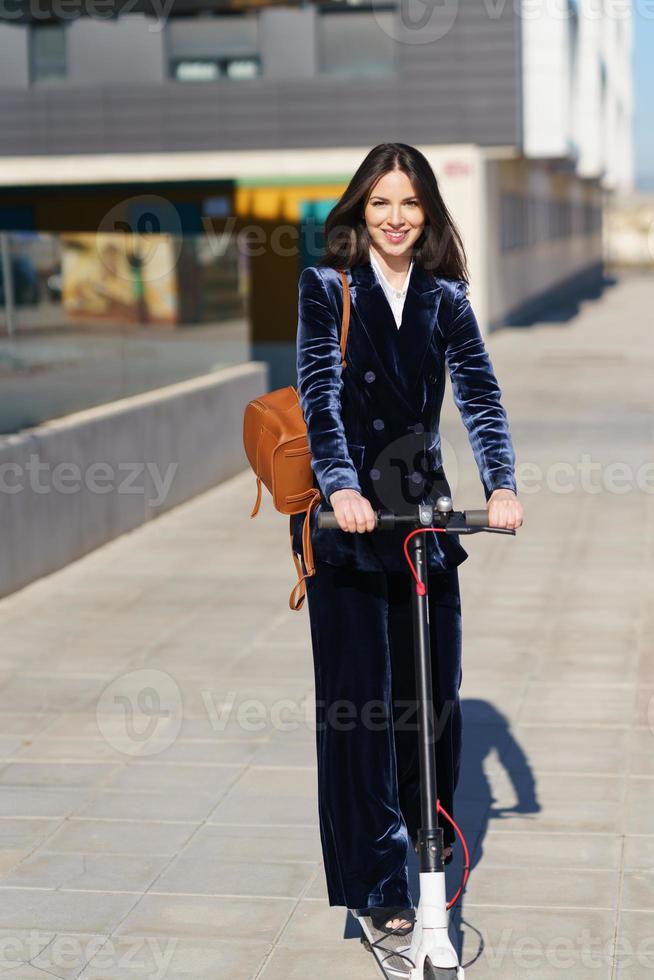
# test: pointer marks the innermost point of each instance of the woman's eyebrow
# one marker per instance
(380, 198)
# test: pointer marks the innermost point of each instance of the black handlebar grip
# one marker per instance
(326, 518)
(476, 518)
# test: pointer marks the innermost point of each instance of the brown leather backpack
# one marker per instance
(277, 447)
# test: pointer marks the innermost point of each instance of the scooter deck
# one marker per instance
(386, 949)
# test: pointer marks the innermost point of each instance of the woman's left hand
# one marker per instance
(504, 509)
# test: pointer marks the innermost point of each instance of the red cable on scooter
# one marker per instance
(420, 586)
(466, 854)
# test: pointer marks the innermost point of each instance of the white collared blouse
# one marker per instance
(394, 296)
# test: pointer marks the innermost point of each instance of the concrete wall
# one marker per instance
(73, 484)
(101, 51)
(14, 65)
(546, 270)
(279, 59)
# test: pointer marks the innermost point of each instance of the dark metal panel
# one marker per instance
(464, 87)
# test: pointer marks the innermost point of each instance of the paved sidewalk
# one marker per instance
(158, 805)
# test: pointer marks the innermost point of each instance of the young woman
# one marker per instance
(374, 440)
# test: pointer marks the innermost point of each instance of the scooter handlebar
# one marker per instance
(472, 518)
(476, 518)
(327, 519)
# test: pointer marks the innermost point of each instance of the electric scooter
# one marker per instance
(430, 954)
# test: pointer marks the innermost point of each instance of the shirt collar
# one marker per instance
(376, 266)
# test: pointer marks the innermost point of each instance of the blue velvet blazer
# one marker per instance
(374, 425)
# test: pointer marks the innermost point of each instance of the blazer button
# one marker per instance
(369, 376)
(378, 423)
(418, 428)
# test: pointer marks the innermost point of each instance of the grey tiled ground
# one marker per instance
(153, 823)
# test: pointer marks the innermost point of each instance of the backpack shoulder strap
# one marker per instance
(345, 323)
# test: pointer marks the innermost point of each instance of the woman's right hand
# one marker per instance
(353, 512)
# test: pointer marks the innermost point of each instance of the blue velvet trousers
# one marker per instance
(366, 724)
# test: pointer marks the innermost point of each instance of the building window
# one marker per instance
(210, 69)
(204, 49)
(356, 43)
(48, 62)
(514, 221)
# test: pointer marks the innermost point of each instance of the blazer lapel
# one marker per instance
(401, 351)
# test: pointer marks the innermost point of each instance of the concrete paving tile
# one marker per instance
(316, 924)
(547, 887)
(255, 842)
(318, 887)
(120, 837)
(532, 963)
(206, 917)
(179, 960)
(506, 697)
(551, 788)
(95, 749)
(24, 972)
(639, 805)
(272, 810)
(288, 659)
(346, 959)
(289, 752)
(198, 876)
(578, 668)
(32, 801)
(535, 933)
(505, 849)
(558, 703)
(566, 747)
(641, 752)
(645, 707)
(26, 832)
(9, 859)
(202, 751)
(90, 871)
(638, 853)
(152, 775)
(223, 698)
(55, 773)
(121, 805)
(279, 779)
(638, 890)
(195, 657)
(22, 723)
(62, 910)
(66, 954)
(572, 817)
(635, 944)
(38, 692)
(19, 946)
(274, 795)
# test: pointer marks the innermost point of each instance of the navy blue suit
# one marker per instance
(374, 427)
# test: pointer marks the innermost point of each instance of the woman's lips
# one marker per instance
(394, 236)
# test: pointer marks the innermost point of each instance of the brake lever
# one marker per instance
(475, 530)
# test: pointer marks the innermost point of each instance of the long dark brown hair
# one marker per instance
(439, 249)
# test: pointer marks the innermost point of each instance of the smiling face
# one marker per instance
(394, 217)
